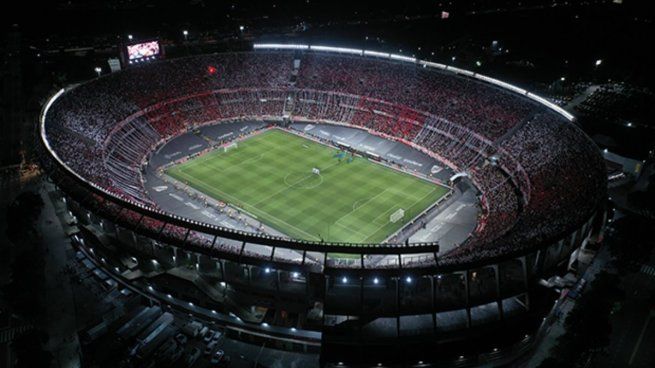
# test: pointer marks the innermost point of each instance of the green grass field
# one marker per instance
(270, 176)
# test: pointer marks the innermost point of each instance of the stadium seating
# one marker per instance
(104, 130)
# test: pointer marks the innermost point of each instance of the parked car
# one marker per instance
(218, 357)
(193, 356)
(209, 336)
(181, 338)
(210, 347)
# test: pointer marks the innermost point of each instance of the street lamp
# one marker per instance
(185, 33)
(241, 28)
(129, 37)
(98, 70)
(599, 61)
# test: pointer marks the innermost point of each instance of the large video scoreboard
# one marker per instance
(141, 52)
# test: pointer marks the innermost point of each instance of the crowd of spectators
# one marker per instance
(461, 100)
(106, 129)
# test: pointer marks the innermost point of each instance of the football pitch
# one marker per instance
(269, 176)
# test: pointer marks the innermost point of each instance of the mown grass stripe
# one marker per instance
(357, 195)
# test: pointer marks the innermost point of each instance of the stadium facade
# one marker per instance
(539, 184)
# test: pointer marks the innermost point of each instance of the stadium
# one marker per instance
(373, 207)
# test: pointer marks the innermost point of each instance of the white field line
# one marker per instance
(291, 187)
(352, 230)
(361, 206)
(406, 222)
(211, 188)
(195, 163)
(283, 189)
(273, 218)
(235, 199)
(339, 220)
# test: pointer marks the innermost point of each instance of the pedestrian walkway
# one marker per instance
(8, 334)
(60, 310)
(648, 270)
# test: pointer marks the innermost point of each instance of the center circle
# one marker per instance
(303, 180)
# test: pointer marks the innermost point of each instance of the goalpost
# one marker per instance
(230, 146)
(396, 216)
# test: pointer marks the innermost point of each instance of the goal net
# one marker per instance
(396, 216)
(230, 146)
